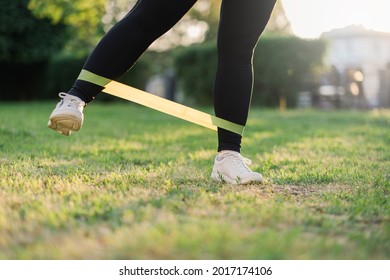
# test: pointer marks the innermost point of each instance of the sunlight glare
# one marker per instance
(310, 18)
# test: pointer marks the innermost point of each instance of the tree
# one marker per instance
(200, 24)
(26, 44)
(283, 67)
(24, 38)
(203, 18)
(83, 19)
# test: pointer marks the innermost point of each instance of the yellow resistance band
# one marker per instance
(160, 104)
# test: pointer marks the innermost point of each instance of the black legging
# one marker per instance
(241, 23)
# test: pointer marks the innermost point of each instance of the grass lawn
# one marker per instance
(134, 184)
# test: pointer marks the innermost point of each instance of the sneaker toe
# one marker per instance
(254, 177)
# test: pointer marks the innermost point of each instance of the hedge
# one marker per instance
(283, 67)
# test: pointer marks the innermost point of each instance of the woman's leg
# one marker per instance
(115, 54)
(120, 48)
(240, 27)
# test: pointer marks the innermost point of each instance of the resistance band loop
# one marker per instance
(160, 104)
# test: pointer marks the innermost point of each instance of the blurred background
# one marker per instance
(319, 54)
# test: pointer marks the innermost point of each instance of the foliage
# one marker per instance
(40, 33)
(82, 17)
(53, 33)
(195, 69)
(25, 39)
(62, 71)
(22, 81)
(134, 184)
(208, 11)
(60, 74)
(283, 66)
(26, 44)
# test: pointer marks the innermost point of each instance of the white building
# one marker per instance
(356, 48)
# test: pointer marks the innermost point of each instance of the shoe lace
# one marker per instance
(241, 163)
(73, 101)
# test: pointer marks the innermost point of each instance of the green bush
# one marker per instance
(195, 69)
(62, 71)
(24, 38)
(142, 70)
(283, 66)
(20, 81)
(26, 44)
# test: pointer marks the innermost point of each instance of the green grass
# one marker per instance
(134, 184)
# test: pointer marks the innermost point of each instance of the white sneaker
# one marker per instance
(231, 167)
(68, 115)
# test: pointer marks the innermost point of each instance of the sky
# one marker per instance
(310, 18)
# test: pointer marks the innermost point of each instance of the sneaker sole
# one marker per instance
(224, 179)
(64, 124)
